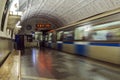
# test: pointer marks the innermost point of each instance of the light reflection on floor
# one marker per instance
(50, 64)
(44, 63)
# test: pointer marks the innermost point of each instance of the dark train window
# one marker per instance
(4, 14)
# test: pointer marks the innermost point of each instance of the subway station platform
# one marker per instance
(82, 40)
(47, 64)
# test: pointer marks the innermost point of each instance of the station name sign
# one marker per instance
(43, 26)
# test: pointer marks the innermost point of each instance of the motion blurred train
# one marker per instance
(98, 39)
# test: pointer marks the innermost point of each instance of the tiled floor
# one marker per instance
(46, 64)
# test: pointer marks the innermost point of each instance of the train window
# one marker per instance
(50, 37)
(38, 36)
(108, 31)
(60, 36)
(68, 36)
(81, 33)
(46, 37)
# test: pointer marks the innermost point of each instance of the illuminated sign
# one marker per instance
(43, 26)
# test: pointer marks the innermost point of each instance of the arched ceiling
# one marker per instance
(63, 12)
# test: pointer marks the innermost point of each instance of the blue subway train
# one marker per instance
(98, 39)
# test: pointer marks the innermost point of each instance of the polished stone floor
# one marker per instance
(3, 55)
(47, 64)
(10, 69)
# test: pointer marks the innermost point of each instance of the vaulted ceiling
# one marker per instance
(63, 12)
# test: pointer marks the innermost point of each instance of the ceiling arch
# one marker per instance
(64, 12)
(45, 17)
